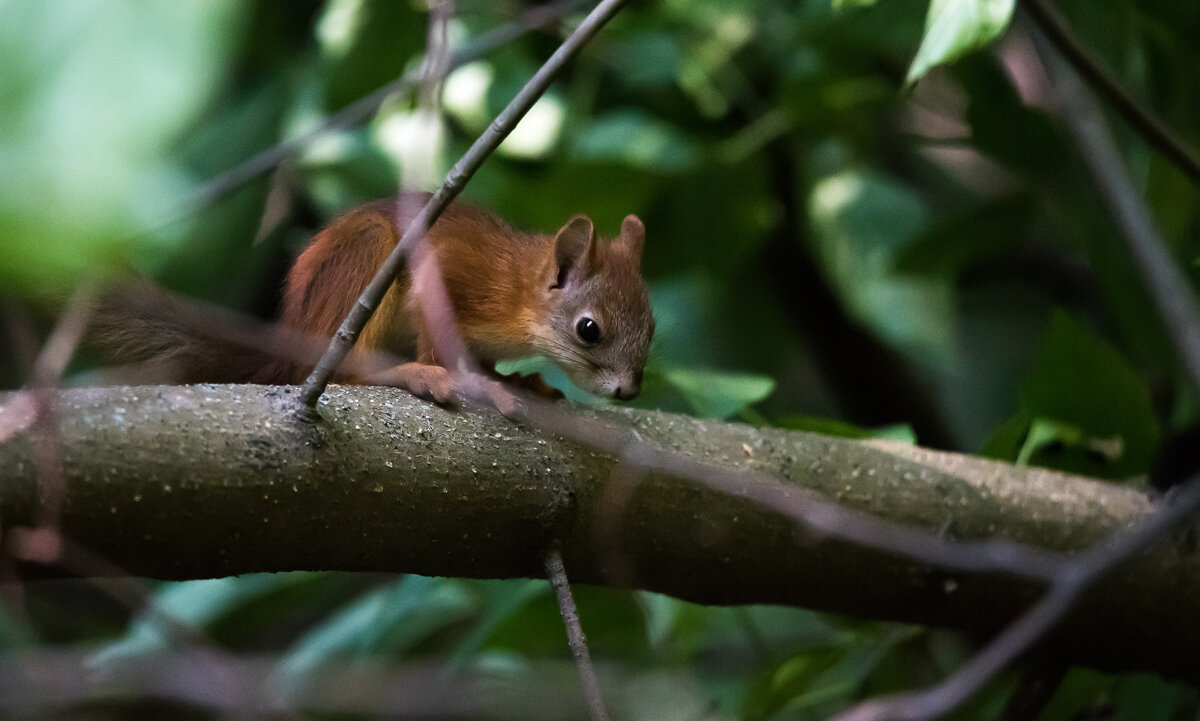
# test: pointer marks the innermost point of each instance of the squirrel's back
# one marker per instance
(574, 298)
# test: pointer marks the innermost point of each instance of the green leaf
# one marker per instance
(651, 57)
(612, 619)
(94, 102)
(505, 600)
(1150, 698)
(1078, 695)
(790, 685)
(718, 394)
(1083, 408)
(553, 376)
(862, 223)
(1129, 696)
(367, 45)
(14, 633)
(388, 619)
(968, 239)
(1049, 434)
(194, 604)
(679, 238)
(638, 140)
(954, 28)
(901, 432)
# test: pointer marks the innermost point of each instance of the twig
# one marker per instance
(47, 372)
(419, 163)
(44, 542)
(68, 331)
(1166, 284)
(618, 492)
(437, 55)
(23, 409)
(1023, 633)
(47, 681)
(456, 179)
(208, 658)
(1145, 122)
(575, 638)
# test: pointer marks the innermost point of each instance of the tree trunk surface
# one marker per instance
(186, 482)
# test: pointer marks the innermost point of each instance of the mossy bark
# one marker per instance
(181, 482)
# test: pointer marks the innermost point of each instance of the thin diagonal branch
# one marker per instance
(1178, 308)
(457, 178)
(1032, 626)
(37, 408)
(1166, 284)
(1156, 132)
(45, 542)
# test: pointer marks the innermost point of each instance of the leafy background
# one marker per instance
(846, 234)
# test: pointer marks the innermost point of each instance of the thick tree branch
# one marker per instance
(206, 481)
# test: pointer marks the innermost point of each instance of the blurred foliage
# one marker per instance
(846, 235)
(954, 28)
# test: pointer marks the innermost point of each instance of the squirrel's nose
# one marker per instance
(629, 388)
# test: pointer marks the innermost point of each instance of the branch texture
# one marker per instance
(207, 481)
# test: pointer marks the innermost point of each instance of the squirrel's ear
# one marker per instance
(633, 233)
(574, 249)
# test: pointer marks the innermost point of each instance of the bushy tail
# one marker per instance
(189, 342)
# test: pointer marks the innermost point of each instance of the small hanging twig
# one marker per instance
(557, 576)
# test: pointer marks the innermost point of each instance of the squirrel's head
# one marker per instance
(598, 326)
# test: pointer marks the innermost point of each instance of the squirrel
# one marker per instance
(573, 298)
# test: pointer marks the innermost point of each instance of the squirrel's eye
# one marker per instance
(588, 330)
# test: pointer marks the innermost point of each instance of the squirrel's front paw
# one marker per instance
(430, 382)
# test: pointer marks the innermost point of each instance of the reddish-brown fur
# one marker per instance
(513, 294)
(498, 280)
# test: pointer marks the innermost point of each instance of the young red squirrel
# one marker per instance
(573, 298)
